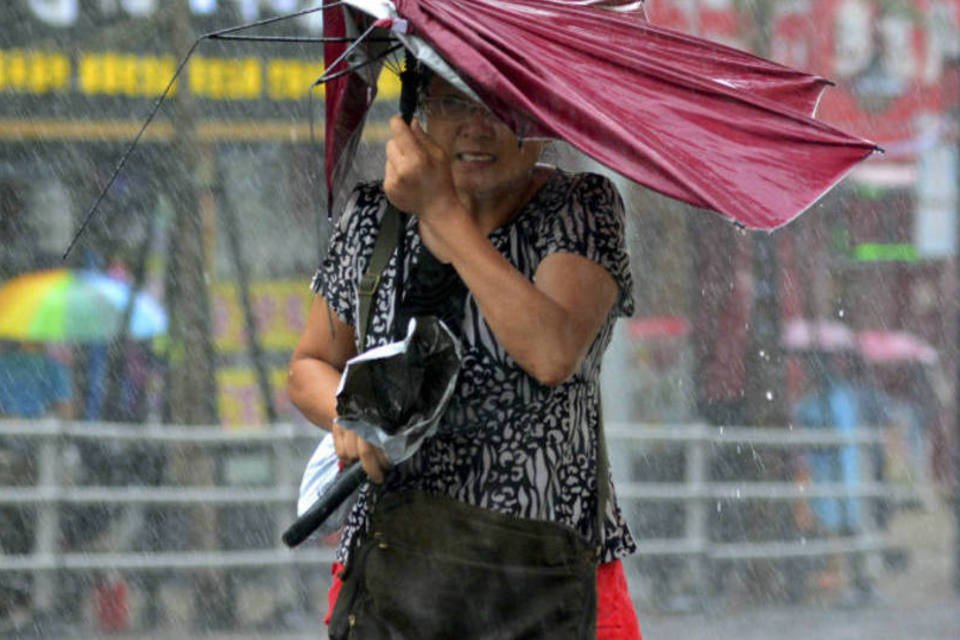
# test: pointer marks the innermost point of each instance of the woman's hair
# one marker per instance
(424, 75)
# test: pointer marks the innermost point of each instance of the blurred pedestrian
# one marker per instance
(836, 402)
(17, 237)
(32, 385)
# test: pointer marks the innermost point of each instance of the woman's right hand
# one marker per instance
(351, 447)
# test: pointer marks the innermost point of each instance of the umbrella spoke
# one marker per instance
(222, 34)
(271, 20)
(329, 77)
(295, 39)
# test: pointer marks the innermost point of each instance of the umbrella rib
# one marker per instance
(346, 52)
(129, 151)
(213, 35)
(323, 79)
(327, 76)
(333, 76)
(293, 39)
(272, 20)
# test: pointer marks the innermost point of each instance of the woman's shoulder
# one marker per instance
(568, 192)
(589, 185)
(582, 180)
(576, 198)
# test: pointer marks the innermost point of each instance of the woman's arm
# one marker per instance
(315, 369)
(317, 362)
(546, 325)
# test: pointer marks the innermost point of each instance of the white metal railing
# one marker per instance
(288, 447)
(696, 491)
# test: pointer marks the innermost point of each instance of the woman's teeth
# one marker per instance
(474, 157)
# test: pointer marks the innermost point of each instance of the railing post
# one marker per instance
(869, 505)
(696, 508)
(46, 547)
(285, 480)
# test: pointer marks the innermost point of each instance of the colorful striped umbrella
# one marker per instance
(64, 305)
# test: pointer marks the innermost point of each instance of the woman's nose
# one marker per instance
(479, 120)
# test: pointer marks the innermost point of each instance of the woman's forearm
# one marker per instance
(547, 339)
(312, 387)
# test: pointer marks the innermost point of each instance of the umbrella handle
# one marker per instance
(351, 478)
(408, 88)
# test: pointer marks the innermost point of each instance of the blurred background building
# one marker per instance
(77, 78)
(878, 253)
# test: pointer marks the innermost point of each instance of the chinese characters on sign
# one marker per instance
(113, 73)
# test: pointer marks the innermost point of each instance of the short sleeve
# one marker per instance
(592, 225)
(338, 276)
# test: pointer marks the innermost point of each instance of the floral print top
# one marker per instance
(506, 442)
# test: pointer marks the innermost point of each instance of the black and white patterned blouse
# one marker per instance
(506, 442)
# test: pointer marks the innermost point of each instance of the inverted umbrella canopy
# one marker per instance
(706, 124)
(64, 305)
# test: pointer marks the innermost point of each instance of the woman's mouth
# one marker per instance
(475, 157)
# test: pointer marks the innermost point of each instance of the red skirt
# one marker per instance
(616, 617)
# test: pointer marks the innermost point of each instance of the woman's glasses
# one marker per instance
(452, 107)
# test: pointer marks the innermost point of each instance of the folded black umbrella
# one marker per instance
(393, 396)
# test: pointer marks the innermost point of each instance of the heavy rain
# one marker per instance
(779, 410)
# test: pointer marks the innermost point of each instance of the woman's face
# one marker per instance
(487, 160)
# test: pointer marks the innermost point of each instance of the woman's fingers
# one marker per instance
(374, 461)
(345, 444)
(417, 170)
(428, 148)
(350, 447)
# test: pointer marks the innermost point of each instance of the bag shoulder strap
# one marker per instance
(388, 237)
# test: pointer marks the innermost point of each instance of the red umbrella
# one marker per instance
(826, 336)
(879, 346)
(658, 327)
(706, 124)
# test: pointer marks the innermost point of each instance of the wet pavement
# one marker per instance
(916, 603)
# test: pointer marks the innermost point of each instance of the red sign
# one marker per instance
(886, 58)
(887, 62)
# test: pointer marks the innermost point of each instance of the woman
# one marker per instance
(541, 257)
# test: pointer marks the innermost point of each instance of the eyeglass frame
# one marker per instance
(472, 107)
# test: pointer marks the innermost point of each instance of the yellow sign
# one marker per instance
(240, 403)
(279, 307)
(113, 73)
(35, 72)
(116, 74)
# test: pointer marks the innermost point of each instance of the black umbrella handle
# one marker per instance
(351, 478)
(408, 88)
